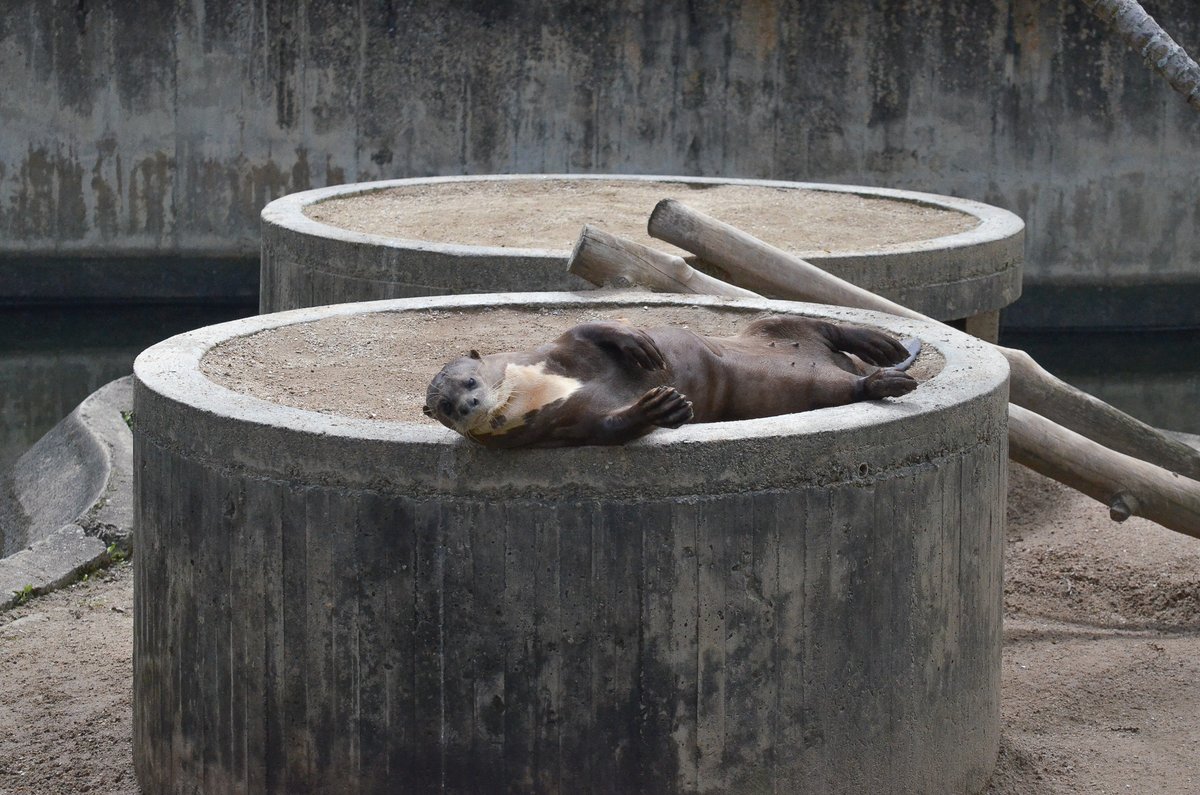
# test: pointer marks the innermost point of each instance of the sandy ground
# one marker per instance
(66, 701)
(1100, 673)
(390, 357)
(514, 214)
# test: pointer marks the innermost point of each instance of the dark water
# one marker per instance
(52, 357)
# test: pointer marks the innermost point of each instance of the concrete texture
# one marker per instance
(307, 263)
(68, 497)
(803, 603)
(165, 130)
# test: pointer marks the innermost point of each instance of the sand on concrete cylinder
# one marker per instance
(329, 603)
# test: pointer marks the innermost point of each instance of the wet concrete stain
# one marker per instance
(108, 187)
(150, 184)
(49, 200)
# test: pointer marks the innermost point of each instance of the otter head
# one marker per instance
(461, 396)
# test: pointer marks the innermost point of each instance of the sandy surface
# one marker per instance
(66, 701)
(391, 357)
(1100, 671)
(549, 215)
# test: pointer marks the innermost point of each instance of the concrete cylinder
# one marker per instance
(805, 603)
(307, 263)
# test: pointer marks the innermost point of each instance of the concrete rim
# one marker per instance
(73, 533)
(422, 457)
(996, 225)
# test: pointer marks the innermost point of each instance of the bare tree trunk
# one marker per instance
(1145, 37)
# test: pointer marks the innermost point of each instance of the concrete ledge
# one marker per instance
(308, 263)
(49, 563)
(69, 496)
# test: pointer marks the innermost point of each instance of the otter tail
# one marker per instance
(914, 348)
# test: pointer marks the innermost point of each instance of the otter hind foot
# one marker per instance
(888, 382)
(642, 350)
(873, 347)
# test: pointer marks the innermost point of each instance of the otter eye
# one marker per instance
(471, 382)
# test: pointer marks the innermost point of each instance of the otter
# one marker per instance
(608, 382)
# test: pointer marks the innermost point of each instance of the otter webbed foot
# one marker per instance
(888, 382)
(873, 347)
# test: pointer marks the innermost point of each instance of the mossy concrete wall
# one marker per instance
(163, 129)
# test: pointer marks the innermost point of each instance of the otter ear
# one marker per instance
(428, 411)
(474, 354)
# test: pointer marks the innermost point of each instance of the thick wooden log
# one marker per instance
(1128, 486)
(762, 267)
(610, 261)
(1036, 389)
(756, 265)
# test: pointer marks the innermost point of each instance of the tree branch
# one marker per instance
(1144, 36)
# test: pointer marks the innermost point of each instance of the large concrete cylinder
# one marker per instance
(806, 603)
(946, 257)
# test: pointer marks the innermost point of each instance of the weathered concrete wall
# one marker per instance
(164, 128)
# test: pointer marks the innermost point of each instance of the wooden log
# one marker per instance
(610, 261)
(1127, 485)
(1036, 389)
(759, 266)
(763, 268)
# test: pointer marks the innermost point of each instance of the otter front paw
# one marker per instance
(629, 344)
(887, 382)
(664, 406)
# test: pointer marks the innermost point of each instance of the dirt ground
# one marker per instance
(1100, 670)
(514, 214)
(66, 701)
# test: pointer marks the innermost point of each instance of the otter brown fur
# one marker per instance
(611, 382)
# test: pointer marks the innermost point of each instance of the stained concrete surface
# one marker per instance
(164, 129)
(53, 356)
(68, 497)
